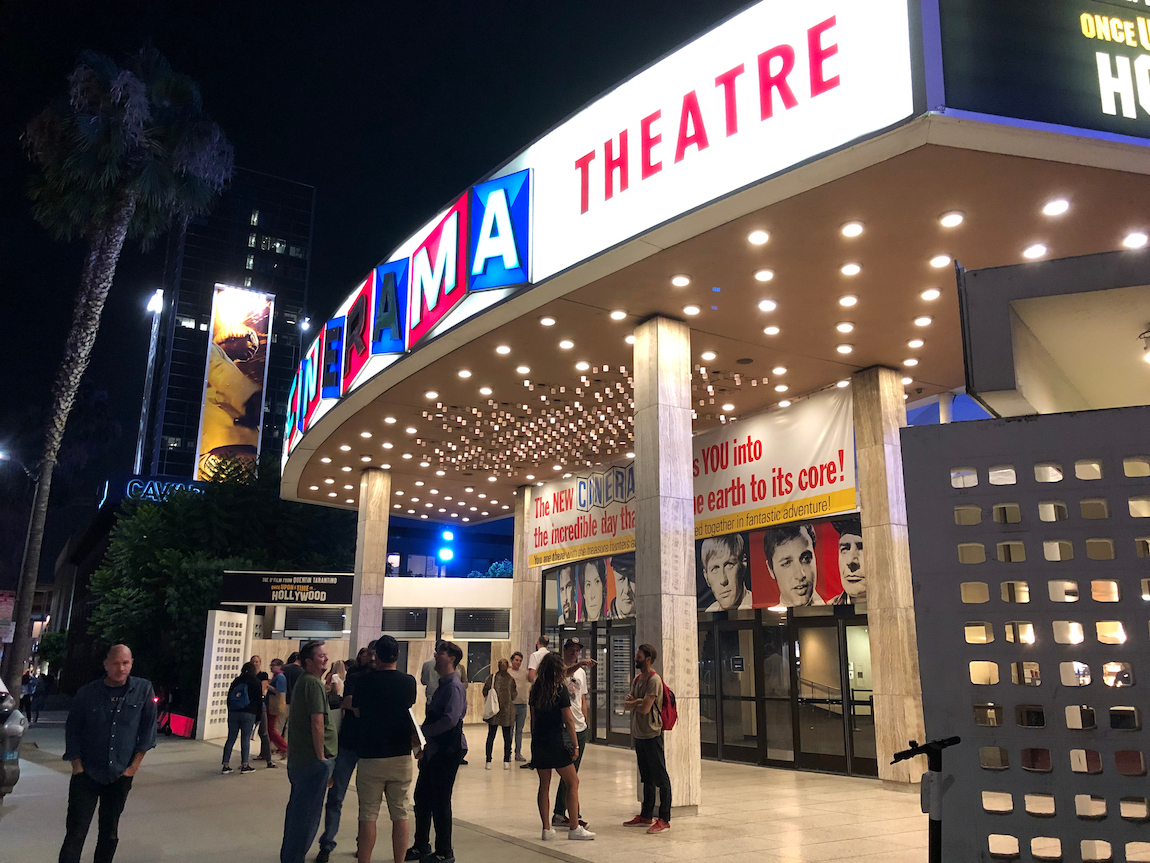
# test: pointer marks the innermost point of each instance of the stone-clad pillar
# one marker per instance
(879, 413)
(370, 557)
(666, 614)
(527, 581)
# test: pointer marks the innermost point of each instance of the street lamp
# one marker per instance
(6, 456)
(155, 309)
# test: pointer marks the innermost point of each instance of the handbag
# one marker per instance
(491, 703)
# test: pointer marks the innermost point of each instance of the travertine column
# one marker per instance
(879, 413)
(666, 614)
(526, 581)
(370, 557)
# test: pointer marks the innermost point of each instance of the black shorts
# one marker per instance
(550, 755)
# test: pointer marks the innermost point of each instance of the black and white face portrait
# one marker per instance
(594, 589)
(724, 563)
(568, 595)
(790, 553)
(851, 569)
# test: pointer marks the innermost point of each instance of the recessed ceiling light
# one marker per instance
(523, 370)
(785, 403)
(326, 460)
(852, 229)
(767, 305)
(844, 327)
(540, 482)
(757, 238)
(505, 506)
(618, 315)
(845, 349)
(556, 467)
(408, 455)
(469, 489)
(314, 487)
(388, 445)
(1056, 207)
(842, 384)
(771, 331)
(931, 294)
(952, 219)
(680, 281)
(389, 420)
(922, 321)
(567, 344)
(1135, 240)
(397, 506)
(764, 275)
(530, 476)
(629, 339)
(365, 434)
(851, 269)
(582, 366)
(464, 373)
(329, 479)
(441, 473)
(906, 382)
(1036, 250)
(910, 361)
(492, 478)
(425, 464)
(344, 447)
(348, 487)
(940, 261)
(547, 321)
(690, 310)
(503, 349)
(332, 494)
(485, 391)
(410, 429)
(385, 466)
(848, 300)
(781, 388)
(708, 355)
(915, 343)
(346, 469)
(431, 394)
(365, 458)
(629, 455)
(779, 370)
(728, 407)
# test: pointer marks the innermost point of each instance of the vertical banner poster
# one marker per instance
(231, 413)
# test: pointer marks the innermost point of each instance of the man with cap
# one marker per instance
(578, 686)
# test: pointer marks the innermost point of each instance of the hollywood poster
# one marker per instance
(235, 376)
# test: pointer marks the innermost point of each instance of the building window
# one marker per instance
(251, 261)
(255, 217)
(266, 243)
(297, 252)
(252, 240)
(247, 281)
(186, 322)
(280, 247)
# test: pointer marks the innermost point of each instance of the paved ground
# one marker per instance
(181, 809)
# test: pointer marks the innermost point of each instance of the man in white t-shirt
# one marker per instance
(535, 658)
(578, 686)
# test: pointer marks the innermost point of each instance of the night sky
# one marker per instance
(387, 108)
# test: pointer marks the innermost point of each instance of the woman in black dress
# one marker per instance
(554, 745)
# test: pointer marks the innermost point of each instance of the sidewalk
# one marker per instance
(182, 810)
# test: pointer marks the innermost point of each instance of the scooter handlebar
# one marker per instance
(925, 748)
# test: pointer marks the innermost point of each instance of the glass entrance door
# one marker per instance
(730, 715)
(834, 710)
(615, 669)
(818, 667)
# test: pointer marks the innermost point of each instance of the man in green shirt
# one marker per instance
(645, 704)
(311, 754)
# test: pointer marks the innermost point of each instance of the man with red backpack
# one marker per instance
(651, 705)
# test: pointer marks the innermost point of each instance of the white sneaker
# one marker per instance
(506, 765)
(487, 766)
(549, 834)
(580, 833)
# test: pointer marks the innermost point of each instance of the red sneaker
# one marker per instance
(659, 826)
(639, 821)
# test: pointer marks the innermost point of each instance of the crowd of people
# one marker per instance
(358, 718)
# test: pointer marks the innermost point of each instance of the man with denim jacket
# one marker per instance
(111, 725)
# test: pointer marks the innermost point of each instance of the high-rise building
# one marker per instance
(258, 236)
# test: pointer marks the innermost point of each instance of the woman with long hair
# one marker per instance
(550, 704)
(245, 703)
(336, 678)
(505, 689)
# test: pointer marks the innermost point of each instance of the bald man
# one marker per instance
(111, 724)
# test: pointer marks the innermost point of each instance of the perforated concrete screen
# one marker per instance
(223, 657)
(1030, 551)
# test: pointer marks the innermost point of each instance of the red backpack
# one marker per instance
(670, 711)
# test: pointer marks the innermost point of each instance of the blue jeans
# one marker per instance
(241, 723)
(304, 808)
(345, 763)
(520, 718)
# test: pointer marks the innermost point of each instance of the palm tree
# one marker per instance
(126, 154)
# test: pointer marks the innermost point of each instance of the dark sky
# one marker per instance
(387, 108)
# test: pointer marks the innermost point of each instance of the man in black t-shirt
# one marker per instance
(383, 698)
(347, 757)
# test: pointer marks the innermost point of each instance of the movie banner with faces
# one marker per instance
(601, 588)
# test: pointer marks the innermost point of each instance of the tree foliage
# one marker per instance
(52, 648)
(163, 568)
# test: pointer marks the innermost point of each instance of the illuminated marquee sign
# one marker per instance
(482, 242)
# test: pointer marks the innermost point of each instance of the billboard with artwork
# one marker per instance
(235, 375)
